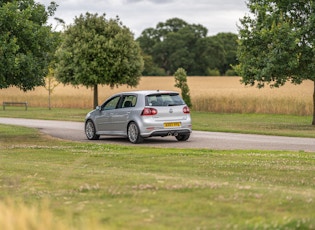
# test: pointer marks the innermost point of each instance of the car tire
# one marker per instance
(90, 131)
(183, 137)
(134, 133)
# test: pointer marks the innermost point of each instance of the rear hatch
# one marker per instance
(170, 107)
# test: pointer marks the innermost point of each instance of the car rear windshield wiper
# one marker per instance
(174, 104)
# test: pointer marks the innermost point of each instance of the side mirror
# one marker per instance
(98, 108)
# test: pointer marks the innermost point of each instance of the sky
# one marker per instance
(216, 15)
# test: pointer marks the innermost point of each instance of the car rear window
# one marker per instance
(167, 99)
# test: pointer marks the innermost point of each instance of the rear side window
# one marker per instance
(129, 101)
(169, 99)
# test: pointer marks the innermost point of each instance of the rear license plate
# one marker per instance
(171, 124)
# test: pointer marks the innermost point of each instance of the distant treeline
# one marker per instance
(177, 44)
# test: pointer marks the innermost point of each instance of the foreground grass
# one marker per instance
(268, 124)
(64, 185)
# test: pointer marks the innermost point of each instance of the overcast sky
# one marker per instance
(216, 15)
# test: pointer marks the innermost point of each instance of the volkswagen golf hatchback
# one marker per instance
(140, 114)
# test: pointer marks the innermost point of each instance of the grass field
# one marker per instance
(209, 94)
(51, 184)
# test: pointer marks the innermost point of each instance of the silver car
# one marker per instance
(140, 114)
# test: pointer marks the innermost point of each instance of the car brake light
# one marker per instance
(149, 112)
(186, 109)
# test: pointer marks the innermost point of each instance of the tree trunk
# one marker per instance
(49, 100)
(49, 94)
(95, 98)
(313, 123)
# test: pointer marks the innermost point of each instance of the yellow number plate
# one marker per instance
(172, 124)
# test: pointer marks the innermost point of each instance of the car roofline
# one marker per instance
(146, 92)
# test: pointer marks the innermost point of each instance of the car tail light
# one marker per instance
(149, 112)
(186, 109)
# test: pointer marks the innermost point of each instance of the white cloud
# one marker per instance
(216, 15)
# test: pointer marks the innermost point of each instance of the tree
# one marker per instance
(172, 44)
(181, 82)
(277, 43)
(229, 45)
(50, 85)
(150, 68)
(209, 54)
(174, 51)
(27, 43)
(176, 44)
(97, 51)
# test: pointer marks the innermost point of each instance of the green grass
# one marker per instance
(46, 114)
(119, 187)
(268, 124)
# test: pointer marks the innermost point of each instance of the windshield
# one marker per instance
(169, 99)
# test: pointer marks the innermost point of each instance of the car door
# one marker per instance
(105, 121)
(120, 117)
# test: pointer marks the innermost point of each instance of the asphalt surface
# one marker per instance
(209, 140)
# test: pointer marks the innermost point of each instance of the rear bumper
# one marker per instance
(152, 128)
(171, 132)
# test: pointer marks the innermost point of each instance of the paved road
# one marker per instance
(209, 140)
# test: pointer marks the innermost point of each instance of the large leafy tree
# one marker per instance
(175, 43)
(97, 51)
(172, 44)
(277, 43)
(27, 43)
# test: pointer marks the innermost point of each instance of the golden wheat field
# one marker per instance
(211, 94)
